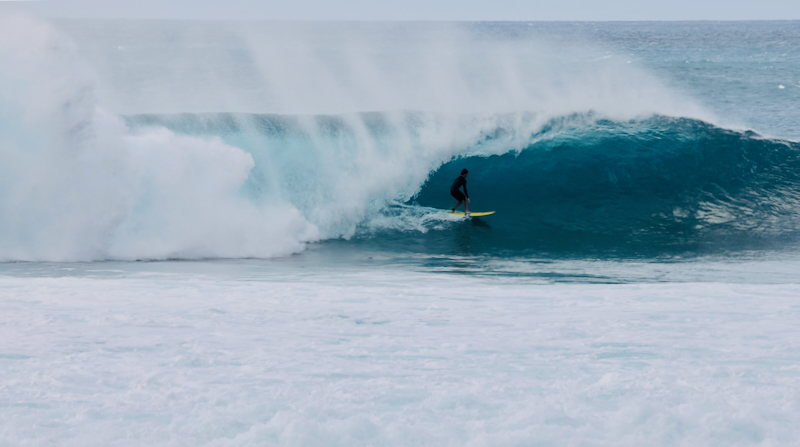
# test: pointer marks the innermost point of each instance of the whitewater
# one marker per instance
(230, 233)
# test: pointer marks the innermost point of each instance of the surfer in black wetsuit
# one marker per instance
(455, 192)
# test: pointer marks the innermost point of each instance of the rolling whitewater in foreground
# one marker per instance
(231, 233)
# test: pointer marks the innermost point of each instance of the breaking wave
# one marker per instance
(578, 157)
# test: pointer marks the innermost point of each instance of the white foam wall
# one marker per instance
(78, 185)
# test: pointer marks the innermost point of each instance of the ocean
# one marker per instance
(232, 233)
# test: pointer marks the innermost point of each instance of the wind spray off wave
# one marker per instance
(81, 183)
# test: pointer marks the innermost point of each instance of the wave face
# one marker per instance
(640, 186)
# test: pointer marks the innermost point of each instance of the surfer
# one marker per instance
(455, 192)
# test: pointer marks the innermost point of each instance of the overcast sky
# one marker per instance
(524, 10)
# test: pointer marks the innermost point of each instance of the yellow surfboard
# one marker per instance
(472, 214)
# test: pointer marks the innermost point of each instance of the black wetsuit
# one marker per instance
(460, 181)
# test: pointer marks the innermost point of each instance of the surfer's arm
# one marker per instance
(466, 194)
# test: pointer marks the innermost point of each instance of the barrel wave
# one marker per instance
(576, 185)
(650, 186)
(577, 153)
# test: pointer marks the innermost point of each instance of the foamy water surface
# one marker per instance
(107, 356)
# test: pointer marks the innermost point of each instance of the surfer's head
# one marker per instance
(464, 172)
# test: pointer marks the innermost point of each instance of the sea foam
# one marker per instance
(81, 183)
(77, 185)
(392, 357)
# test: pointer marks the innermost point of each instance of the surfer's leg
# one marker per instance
(458, 196)
(466, 206)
